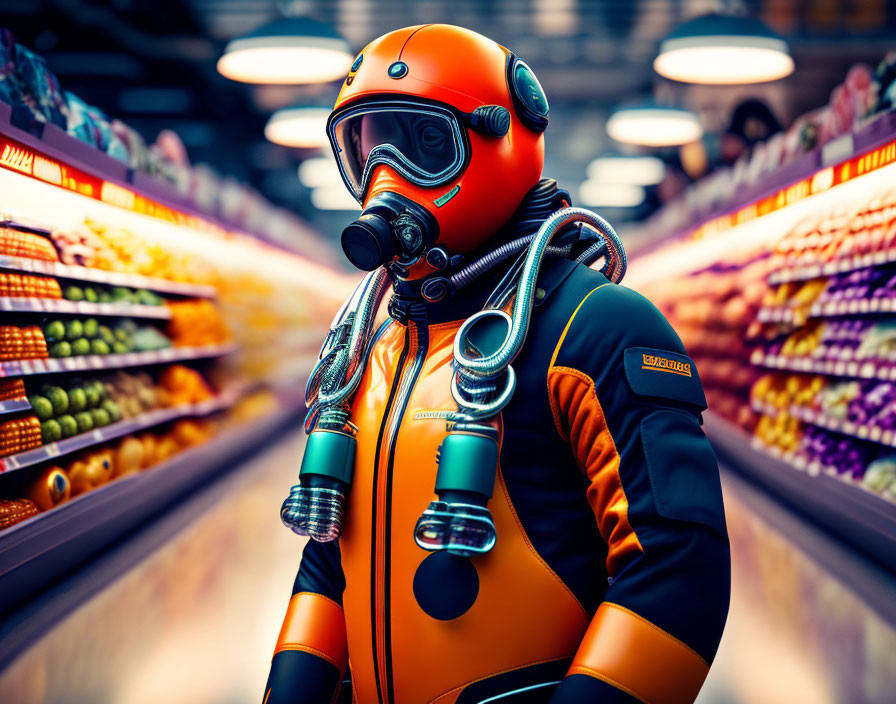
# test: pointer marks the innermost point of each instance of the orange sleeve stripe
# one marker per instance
(580, 420)
(627, 651)
(316, 625)
(569, 324)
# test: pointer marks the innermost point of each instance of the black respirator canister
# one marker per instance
(391, 225)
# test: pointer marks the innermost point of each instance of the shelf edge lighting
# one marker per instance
(723, 50)
(653, 126)
(303, 127)
(294, 50)
(633, 170)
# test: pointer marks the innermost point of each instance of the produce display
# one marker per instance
(22, 343)
(77, 337)
(104, 289)
(78, 407)
(20, 435)
(17, 243)
(96, 245)
(195, 323)
(841, 239)
(28, 286)
(113, 294)
(12, 389)
(787, 304)
(73, 405)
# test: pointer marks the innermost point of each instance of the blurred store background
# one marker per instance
(170, 262)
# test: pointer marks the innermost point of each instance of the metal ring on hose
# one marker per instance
(473, 409)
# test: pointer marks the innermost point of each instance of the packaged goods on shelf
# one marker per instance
(124, 316)
(28, 286)
(12, 389)
(786, 300)
(17, 243)
(22, 343)
(146, 312)
(14, 511)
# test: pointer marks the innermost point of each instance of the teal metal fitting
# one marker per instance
(329, 453)
(467, 462)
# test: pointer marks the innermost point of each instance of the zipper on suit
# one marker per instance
(415, 347)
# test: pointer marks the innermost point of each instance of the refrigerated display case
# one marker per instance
(785, 297)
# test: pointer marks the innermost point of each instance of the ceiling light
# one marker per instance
(290, 50)
(723, 50)
(298, 127)
(653, 126)
(333, 198)
(610, 195)
(633, 170)
(320, 171)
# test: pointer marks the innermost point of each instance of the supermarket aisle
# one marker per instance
(801, 630)
(195, 621)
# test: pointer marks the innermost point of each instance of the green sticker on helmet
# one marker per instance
(441, 200)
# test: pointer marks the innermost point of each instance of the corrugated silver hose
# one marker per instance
(343, 357)
(316, 502)
(475, 372)
(475, 269)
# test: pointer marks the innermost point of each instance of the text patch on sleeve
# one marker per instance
(664, 374)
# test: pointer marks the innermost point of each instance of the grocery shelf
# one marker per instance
(880, 369)
(57, 305)
(843, 265)
(826, 309)
(112, 431)
(156, 196)
(862, 431)
(856, 515)
(14, 405)
(101, 276)
(37, 552)
(91, 362)
(25, 227)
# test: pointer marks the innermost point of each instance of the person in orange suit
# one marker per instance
(604, 575)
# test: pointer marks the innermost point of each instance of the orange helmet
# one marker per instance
(441, 125)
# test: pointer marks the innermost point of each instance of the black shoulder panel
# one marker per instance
(544, 482)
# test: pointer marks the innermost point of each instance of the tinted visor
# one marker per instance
(424, 143)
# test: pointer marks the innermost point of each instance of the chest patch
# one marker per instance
(663, 374)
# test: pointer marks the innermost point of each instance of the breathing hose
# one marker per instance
(316, 503)
(494, 363)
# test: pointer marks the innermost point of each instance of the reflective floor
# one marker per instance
(191, 608)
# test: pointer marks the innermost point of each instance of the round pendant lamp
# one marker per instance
(723, 50)
(292, 50)
(303, 127)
